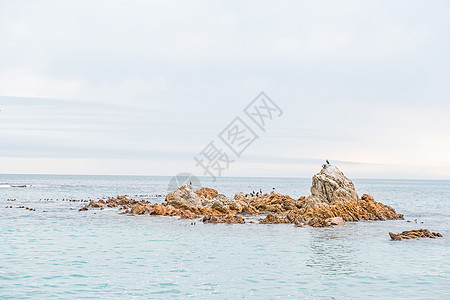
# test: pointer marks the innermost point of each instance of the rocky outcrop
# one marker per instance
(331, 187)
(414, 234)
(333, 201)
(334, 196)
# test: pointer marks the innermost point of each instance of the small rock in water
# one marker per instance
(414, 234)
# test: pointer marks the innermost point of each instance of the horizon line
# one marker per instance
(171, 176)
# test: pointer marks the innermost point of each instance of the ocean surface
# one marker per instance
(60, 253)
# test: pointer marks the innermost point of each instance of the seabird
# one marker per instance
(328, 162)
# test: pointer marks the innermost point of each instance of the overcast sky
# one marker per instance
(141, 87)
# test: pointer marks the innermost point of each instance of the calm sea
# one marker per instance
(63, 253)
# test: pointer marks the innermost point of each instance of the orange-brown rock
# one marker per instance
(120, 201)
(161, 210)
(236, 219)
(268, 203)
(352, 211)
(414, 234)
(272, 219)
(207, 193)
(142, 207)
(317, 222)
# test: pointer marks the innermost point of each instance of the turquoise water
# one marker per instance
(63, 253)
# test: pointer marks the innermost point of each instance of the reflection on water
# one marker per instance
(332, 252)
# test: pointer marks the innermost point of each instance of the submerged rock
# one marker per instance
(414, 234)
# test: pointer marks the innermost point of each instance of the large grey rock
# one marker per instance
(331, 187)
(183, 197)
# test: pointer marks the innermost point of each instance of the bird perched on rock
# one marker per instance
(328, 162)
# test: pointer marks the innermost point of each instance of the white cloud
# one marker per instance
(353, 78)
(22, 83)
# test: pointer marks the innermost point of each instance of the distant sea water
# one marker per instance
(66, 254)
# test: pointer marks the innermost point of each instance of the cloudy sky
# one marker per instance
(141, 87)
